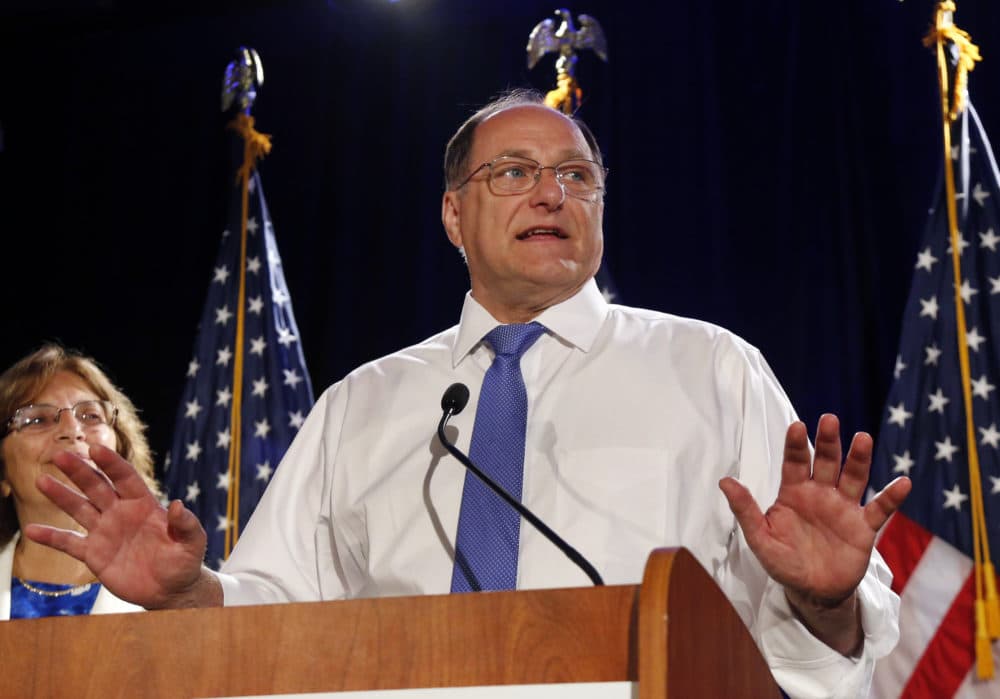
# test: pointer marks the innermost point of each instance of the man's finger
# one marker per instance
(854, 477)
(743, 506)
(826, 462)
(182, 524)
(68, 500)
(797, 458)
(94, 484)
(878, 511)
(126, 479)
(72, 543)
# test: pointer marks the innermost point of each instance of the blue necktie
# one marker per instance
(488, 528)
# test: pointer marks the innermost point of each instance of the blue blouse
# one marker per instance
(28, 604)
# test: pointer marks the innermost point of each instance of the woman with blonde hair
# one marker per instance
(56, 400)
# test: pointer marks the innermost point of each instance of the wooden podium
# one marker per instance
(676, 635)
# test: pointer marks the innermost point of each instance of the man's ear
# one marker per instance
(451, 206)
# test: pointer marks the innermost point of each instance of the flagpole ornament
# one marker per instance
(243, 76)
(566, 39)
(965, 53)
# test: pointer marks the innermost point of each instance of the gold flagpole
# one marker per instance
(987, 610)
(242, 78)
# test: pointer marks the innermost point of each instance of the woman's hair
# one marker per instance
(26, 379)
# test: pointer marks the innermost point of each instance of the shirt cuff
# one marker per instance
(805, 667)
(237, 592)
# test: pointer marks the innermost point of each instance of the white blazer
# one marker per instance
(106, 603)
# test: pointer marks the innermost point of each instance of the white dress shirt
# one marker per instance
(633, 418)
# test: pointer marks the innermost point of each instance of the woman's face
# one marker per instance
(28, 453)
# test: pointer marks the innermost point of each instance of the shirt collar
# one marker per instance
(576, 321)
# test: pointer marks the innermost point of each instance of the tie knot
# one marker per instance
(514, 339)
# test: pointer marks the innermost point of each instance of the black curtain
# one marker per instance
(771, 167)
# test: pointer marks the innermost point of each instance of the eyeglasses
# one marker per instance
(583, 179)
(91, 414)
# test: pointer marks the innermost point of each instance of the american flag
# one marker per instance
(929, 543)
(276, 392)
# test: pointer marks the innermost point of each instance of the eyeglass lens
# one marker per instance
(513, 175)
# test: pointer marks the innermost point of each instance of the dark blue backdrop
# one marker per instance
(771, 167)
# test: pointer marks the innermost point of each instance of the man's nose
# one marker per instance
(549, 191)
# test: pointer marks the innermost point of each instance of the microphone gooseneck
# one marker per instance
(453, 402)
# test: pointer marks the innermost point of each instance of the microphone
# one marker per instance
(454, 400)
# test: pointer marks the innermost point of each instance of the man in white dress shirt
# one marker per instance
(644, 430)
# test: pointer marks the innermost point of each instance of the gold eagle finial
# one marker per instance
(243, 76)
(566, 39)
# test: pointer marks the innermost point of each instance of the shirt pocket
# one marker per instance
(613, 503)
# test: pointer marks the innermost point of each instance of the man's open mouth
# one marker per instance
(536, 232)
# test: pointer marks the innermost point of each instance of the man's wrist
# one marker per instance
(205, 591)
(837, 623)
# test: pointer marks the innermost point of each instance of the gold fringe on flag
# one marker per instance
(566, 97)
(987, 610)
(968, 53)
(255, 146)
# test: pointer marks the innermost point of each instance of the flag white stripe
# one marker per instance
(928, 595)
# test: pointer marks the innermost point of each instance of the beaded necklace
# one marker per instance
(77, 589)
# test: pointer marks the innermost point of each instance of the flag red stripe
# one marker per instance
(902, 544)
(950, 654)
